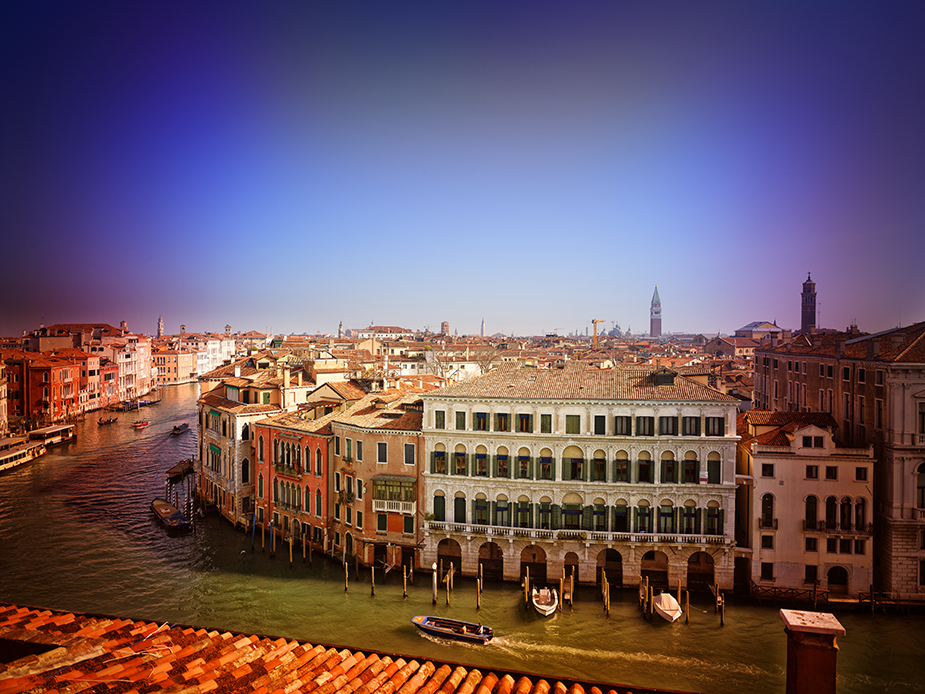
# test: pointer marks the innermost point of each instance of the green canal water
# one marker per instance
(77, 534)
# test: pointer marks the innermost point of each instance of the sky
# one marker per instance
(294, 165)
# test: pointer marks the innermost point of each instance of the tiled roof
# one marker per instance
(108, 654)
(211, 400)
(580, 381)
(764, 418)
(908, 348)
(368, 415)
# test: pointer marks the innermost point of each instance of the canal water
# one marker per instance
(77, 534)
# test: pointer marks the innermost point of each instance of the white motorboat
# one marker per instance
(545, 600)
(667, 607)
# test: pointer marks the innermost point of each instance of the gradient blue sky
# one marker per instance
(295, 164)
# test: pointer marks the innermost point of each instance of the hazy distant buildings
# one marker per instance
(655, 315)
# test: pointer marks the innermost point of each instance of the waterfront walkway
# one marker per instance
(51, 651)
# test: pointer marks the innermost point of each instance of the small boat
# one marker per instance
(181, 469)
(667, 607)
(140, 424)
(545, 600)
(170, 516)
(109, 420)
(453, 629)
(180, 429)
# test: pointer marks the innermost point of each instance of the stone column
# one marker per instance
(811, 651)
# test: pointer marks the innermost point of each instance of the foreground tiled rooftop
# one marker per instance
(108, 654)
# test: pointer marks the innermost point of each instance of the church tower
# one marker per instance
(808, 306)
(160, 326)
(655, 315)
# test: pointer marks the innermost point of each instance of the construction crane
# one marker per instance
(595, 321)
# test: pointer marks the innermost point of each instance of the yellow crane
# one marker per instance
(595, 321)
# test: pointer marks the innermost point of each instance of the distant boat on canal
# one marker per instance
(180, 470)
(180, 429)
(54, 435)
(170, 516)
(140, 424)
(108, 420)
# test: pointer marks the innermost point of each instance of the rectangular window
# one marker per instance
(460, 463)
(359, 450)
(502, 464)
(807, 442)
(525, 423)
(382, 452)
(337, 511)
(439, 419)
(409, 454)
(359, 520)
(545, 423)
(481, 465)
(860, 474)
(846, 373)
(822, 371)
(844, 546)
(502, 421)
(811, 544)
(572, 424)
(831, 472)
(481, 421)
(716, 426)
(349, 518)
(829, 371)
(668, 426)
(336, 481)
(623, 426)
(408, 525)
(862, 376)
(767, 542)
(621, 470)
(266, 398)
(645, 426)
(859, 547)
(767, 469)
(460, 421)
(810, 574)
(878, 414)
(878, 378)
(336, 445)
(348, 445)
(767, 571)
(831, 545)
(382, 522)
(359, 488)
(812, 472)
(523, 467)
(600, 425)
(690, 426)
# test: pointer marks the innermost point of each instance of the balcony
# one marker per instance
(288, 470)
(767, 523)
(408, 508)
(574, 535)
(920, 513)
(850, 529)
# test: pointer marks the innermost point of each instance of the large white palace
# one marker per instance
(582, 468)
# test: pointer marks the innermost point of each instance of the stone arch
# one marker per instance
(502, 450)
(610, 562)
(448, 551)
(573, 452)
(700, 571)
(572, 498)
(837, 577)
(523, 451)
(571, 566)
(491, 559)
(534, 558)
(654, 566)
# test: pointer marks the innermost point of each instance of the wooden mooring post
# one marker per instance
(527, 586)
(372, 580)
(290, 549)
(404, 582)
(346, 573)
(435, 582)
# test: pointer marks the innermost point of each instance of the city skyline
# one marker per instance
(289, 167)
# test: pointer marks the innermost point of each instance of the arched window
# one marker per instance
(260, 449)
(308, 500)
(860, 515)
(275, 451)
(811, 512)
(319, 469)
(318, 510)
(275, 491)
(245, 471)
(845, 516)
(246, 432)
(224, 427)
(260, 486)
(831, 513)
(767, 511)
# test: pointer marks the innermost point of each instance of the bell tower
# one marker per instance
(655, 315)
(808, 306)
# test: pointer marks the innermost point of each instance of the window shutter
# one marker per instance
(664, 471)
(636, 519)
(713, 471)
(440, 508)
(674, 519)
(720, 528)
(530, 423)
(697, 523)
(555, 517)
(531, 473)
(587, 518)
(433, 461)
(494, 466)
(493, 517)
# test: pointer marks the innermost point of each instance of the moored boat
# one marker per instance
(170, 516)
(180, 429)
(453, 629)
(108, 420)
(181, 469)
(54, 435)
(667, 607)
(545, 600)
(140, 424)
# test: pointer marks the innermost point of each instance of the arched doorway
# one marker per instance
(610, 562)
(838, 580)
(491, 559)
(700, 571)
(448, 551)
(348, 545)
(654, 566)
(571, 566)
(534, 558)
